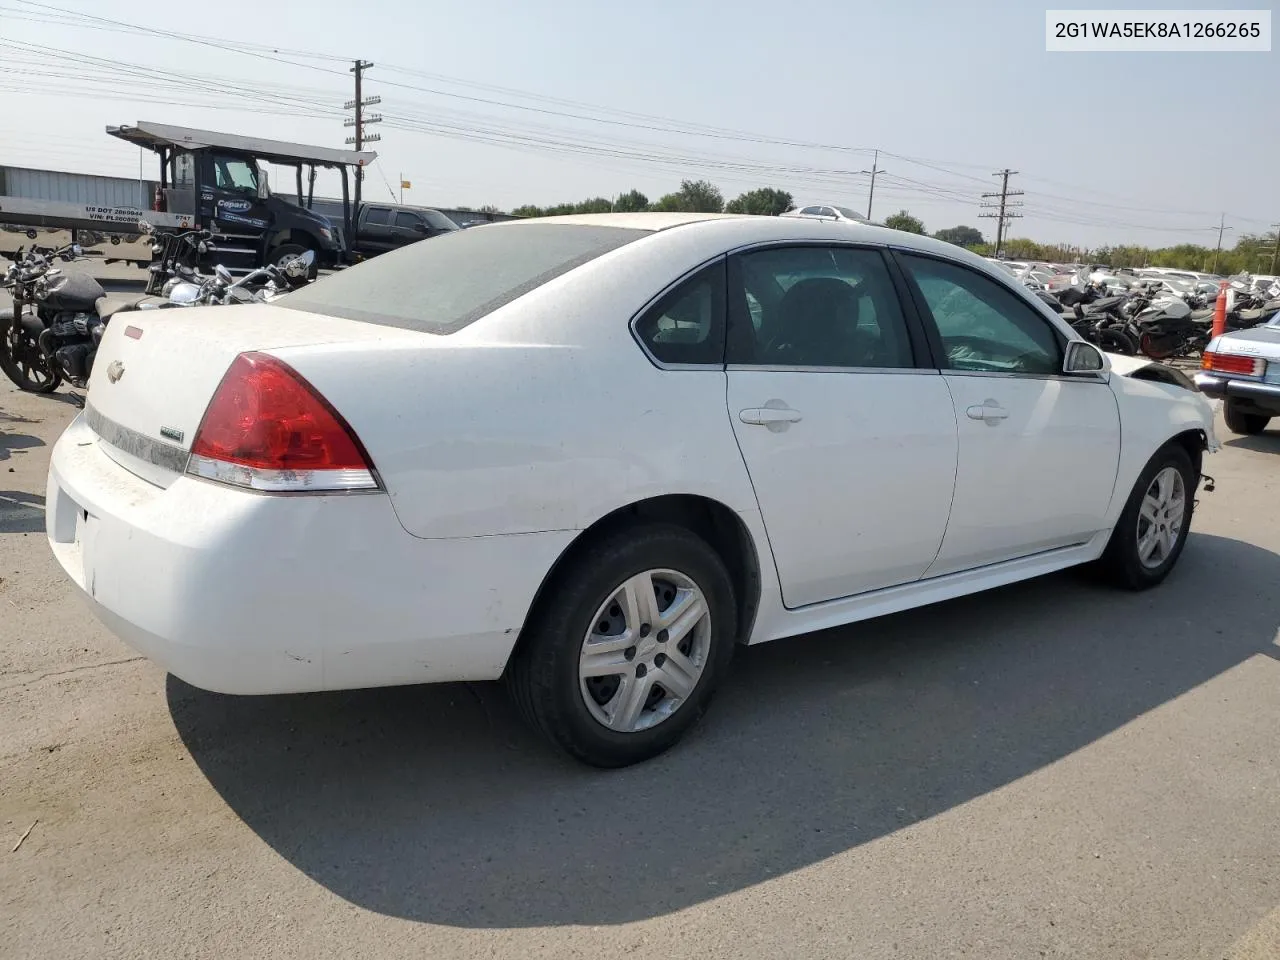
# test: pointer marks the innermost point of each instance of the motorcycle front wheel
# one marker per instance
(1117, 341)
(22, 361)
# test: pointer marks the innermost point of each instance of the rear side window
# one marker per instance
(377, 215)
(442, 286)
(687, 325)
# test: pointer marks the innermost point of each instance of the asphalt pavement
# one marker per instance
(1053, 769)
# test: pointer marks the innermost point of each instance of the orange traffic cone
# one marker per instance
(1220, 311)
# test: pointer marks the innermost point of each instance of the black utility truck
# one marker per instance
(217, 182)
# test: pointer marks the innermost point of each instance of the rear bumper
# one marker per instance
(1261, 394)
(238, 592)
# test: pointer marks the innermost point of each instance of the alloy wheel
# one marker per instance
(1160, 517)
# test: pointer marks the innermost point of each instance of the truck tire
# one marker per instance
(282, 254)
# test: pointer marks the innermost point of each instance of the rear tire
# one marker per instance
(1238, 421)
(548, 676)
(1146, 541)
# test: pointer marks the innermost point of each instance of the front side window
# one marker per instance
(439, 221)
(811, 306)
(687, 325)
(407, 220)
(983, 325)
(233, 173)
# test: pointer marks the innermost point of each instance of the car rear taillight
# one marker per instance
(1232, 363)
(266, 428)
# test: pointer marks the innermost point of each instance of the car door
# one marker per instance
(232, 195)
(849, 442)
(1038, 449)
(375, 232)
(408, 227)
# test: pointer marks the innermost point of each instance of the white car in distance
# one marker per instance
(591, 454)
(828, 211)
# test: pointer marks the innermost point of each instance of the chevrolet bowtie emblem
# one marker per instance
(115, 371)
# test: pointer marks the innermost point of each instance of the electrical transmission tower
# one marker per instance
(360, 120)
(1005, 210)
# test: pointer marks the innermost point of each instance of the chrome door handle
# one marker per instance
(989, 410)
(763, 416)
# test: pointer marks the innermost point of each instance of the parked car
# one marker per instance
(828, 211)
(591, 454)
(1242, 368)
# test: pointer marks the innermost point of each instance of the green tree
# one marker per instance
(694, 196)
(489, 208)
(528, 210)
(594, 205)
(961, 236)
(904, 221)
(767, 201)
(633, 201)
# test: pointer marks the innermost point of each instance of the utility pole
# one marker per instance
(1005, 207)
(1222, 221)
(1275, 251)
(874, 171)
(359, 121)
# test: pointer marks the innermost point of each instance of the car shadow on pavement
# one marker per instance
(434, 804)
(11, 443)
(21, 512)
(1268, 442)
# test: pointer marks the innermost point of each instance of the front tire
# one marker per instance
(22, 360)
(1152, 530)
(1238, 421)
(623, 653)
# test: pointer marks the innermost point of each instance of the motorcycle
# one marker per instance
(1168, 329)
(48, 306)
(58, 319)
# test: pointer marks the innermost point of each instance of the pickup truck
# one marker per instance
(386, 226)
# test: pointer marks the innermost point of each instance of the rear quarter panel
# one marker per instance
(545, 415)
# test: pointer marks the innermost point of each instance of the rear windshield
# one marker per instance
(442, 284)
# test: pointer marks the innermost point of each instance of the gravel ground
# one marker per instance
(1050, 770)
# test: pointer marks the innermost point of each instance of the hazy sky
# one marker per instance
(1109, 147)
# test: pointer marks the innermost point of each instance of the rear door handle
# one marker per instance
(988, 410)
(763, 416)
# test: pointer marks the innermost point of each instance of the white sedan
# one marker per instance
(591, 454)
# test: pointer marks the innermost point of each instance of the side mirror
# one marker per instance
(420, 227)
(1083, 357)
(264, 190)
(223, 274)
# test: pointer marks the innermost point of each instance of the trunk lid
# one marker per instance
(156, 371)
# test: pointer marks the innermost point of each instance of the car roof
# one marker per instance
(748, 228)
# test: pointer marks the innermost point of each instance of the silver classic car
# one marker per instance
(1243, 369)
